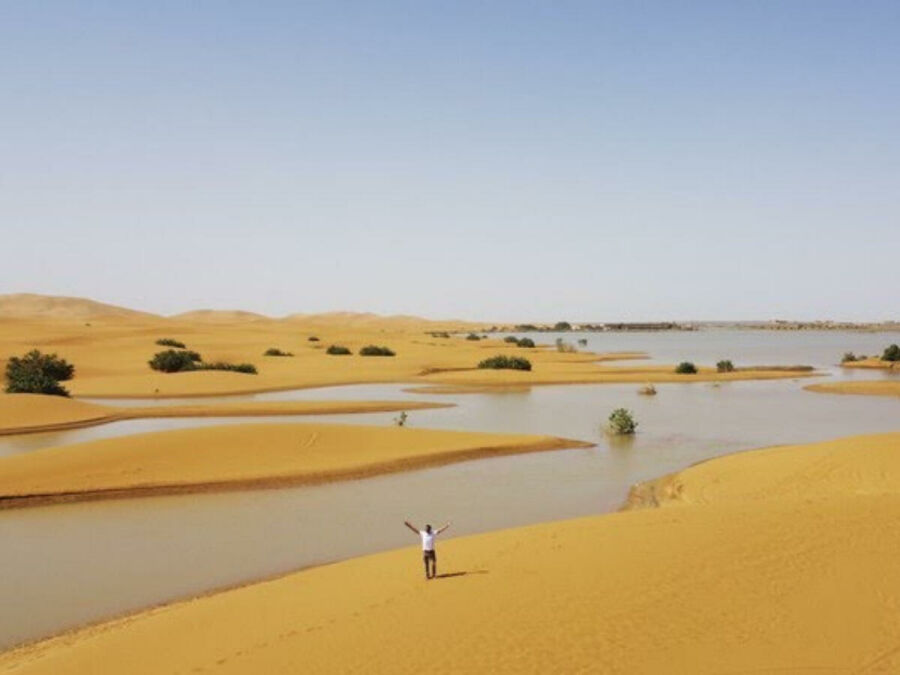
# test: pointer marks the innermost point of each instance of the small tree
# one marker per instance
(724, 366)
(621, 422)
(37, 373)
(174, 361)
(685, 368)
(891, 353)
(562, 326)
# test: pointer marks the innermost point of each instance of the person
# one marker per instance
(428, 552)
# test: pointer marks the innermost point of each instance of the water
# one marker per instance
(68, 564)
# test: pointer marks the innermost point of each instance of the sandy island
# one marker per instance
(242, 456)
(782, 560)
(31, 413)
(862, 387)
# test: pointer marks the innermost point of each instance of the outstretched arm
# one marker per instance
(441, 529)
(411, 526)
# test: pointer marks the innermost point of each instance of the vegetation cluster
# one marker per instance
(685, 368)
(374, 350)
(37, 373)
(502, 362)
(338, 350)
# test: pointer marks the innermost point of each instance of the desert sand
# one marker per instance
(110, 348)
(241, 456)
(29, 413)
(779, 560)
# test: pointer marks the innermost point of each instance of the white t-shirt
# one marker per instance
(427, 540)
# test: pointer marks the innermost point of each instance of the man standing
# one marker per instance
(428, 553)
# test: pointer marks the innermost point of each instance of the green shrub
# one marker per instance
(274, 351)
(174, 361)
(338, 350)
(473, 336)
(685, 368)
(511, 339)
(724, 366)
(562, 326)
(169, 342)
(195, 356)
(373, 350)
(525, 342)
(37, 373)
(848, 357)
(621, 422)
(506, 363)
(247, 368)
(312, 338)
(892, 353)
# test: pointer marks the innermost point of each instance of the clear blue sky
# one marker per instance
(488, 160)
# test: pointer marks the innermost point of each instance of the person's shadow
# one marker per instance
(449, 575)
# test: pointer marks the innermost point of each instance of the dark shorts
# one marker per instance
(428, 555)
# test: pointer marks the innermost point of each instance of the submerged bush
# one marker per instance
(724, 366)
(247, 368)
(174, 361)
(338, 350)
(621, 422)
(506, 363)
(169, 342)
(848, 357)
(647, 390)
(685, 368)
(892, 353)
(565, 347)
(373, 350)
(37, 373)
(274, 351)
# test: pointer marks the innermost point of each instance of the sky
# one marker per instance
(499, 161)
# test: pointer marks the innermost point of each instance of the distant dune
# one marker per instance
(220, 315)
(33, 305)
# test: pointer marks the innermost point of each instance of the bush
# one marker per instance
(525, 342)
(685, 368)
(312, 338)
(506, 363)
(724, 366)
(247, 368)
(37, 373)
(472, 336)
(892, 353)
(274, 351)
(848, 357)
(338, 350)
(373, 350)
(621, 422)
(564, 347)
(169, 342)
(195, 356)
(582, 342)
(511, 339)
(174, 361)
(562, 325)
(440, 334)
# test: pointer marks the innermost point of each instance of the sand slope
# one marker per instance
(783, 560)
(241, 456)
(32, 305)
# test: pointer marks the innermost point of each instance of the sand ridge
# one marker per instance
(862, 388)
(766, 561)
(242, 456)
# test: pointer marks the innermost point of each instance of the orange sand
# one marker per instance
(241, 456)
(781, 560)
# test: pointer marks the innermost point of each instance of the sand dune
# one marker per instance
(32, 305)
(781, 560)
(220, 315)
(241, 456)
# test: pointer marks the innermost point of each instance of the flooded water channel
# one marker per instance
(66, 565)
